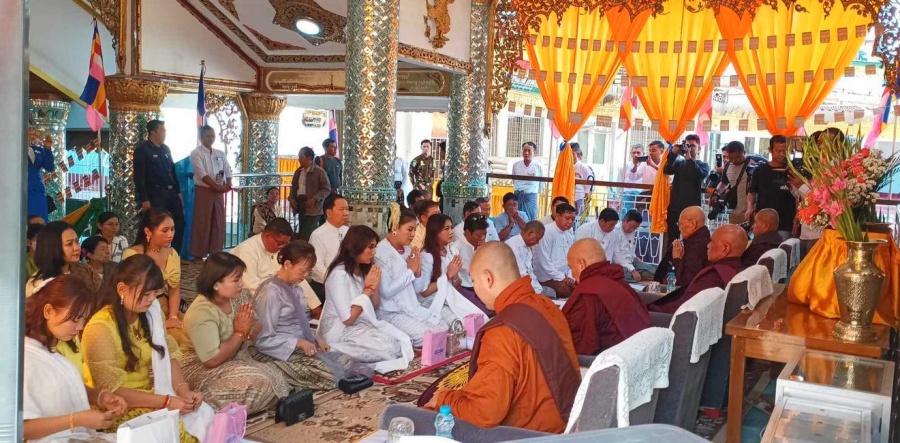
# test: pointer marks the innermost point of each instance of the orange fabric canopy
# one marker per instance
(574, 69)
(789, 58)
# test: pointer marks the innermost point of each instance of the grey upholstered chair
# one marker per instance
(678, 404)
(601, 395)
(643, 433)
(715, 388)
(423, 420)
(769, 264)
(788, 249)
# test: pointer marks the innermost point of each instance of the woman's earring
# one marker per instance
(121, 299)
(148, 239)
(394, 233)
(216, 288)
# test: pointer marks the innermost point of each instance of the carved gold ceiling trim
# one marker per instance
(113, 15)
(229, 6)
(273, 45)
(437, 17)
(288, 11)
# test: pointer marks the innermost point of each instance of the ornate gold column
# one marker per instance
(369, 118)
(49, 118)
(263, 111)
(467, 166)
(133, 102)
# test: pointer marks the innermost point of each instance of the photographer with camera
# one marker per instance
(731, 193)
(770, 188)
(687, 174)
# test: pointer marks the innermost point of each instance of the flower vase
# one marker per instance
(858, 282)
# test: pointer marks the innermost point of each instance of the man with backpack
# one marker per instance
(732, 190)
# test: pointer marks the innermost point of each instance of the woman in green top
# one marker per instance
(219, 326)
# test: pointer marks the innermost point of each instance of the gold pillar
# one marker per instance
(49, 118)
(133, 102)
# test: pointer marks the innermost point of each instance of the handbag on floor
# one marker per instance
(295, 407)
(160, 426)
(355, 384)
(229, 425)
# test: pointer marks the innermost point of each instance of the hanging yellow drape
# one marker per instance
(659, 199)
(674, 69)
(789, 61)
(574, 68)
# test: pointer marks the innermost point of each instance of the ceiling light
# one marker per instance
(308, 26)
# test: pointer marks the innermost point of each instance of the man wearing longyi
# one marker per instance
(516, 354)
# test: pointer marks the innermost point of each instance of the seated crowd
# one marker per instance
(104, 320)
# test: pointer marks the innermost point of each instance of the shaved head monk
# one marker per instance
(517, 354)
(689, 252)
(724, 253)
(765, 236)
(603, 310)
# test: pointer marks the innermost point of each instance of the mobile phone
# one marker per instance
(642, 158)
(718, 160)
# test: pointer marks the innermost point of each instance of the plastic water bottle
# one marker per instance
(670, 283)
(443, 423)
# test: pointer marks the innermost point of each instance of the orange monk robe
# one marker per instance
(509, 387)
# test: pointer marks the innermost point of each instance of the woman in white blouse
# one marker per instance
(400, 265)
(348, 322)
(108, 228)
(438, 258)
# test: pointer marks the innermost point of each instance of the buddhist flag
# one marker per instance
(332, 127)
(201, 97)
(94, 94)
(629, 102)
(705, 115)
(881, 118)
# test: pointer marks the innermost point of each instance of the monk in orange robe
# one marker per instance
(516, 354)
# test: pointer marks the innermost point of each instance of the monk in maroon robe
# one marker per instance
(724, 252)
(765, 237)
(603, 310)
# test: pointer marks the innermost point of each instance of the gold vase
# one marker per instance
(858, 282)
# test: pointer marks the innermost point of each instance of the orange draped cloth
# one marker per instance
(659, 199)
(574, 68)
(813, 283)
(509, 387)
(789, 61)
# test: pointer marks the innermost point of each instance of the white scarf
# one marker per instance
(368, 314)
(460, 305)
(196, 423)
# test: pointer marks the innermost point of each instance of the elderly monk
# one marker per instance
(724, 252)
(603, 310)
(689, 252)
(765, 236)
(523, 371)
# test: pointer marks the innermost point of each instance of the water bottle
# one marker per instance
(443, 423)
(670, 283)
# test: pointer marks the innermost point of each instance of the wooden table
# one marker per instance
(775, 331)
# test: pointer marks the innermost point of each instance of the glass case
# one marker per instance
(840, 381)
(796, 420)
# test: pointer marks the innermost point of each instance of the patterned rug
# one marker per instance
(415, 369)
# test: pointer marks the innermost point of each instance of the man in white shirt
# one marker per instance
(473, 238)
(326, 240)
(550, 264)
(260, 254)
(522, 245)
(558, 200)
(527, 190)
(621, 248)
(601, 230)
(469, 208)
(212, 179)
(582, 172)
(485, 204)
(653, 161)
(633, 174)
(401, 170)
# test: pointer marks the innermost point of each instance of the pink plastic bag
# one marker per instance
(434, 347)
(472, 323)
(229, 425)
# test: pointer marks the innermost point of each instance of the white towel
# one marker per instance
(406, 347)
(196, 423)
(709, 305)
(794, 243)
(459, 304)
(643, 361)
(759, 284)
(779, 271)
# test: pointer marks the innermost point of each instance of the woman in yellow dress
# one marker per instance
(56, 405)
(154, 239)
(127, 351)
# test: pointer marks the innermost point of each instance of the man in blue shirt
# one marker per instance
(511, 221)
(155, 182)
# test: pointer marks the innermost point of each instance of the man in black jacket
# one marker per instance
(687, 174)
(155, 182)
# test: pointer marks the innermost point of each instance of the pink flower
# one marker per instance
(865, 152)
(833, 209)
(838, 185)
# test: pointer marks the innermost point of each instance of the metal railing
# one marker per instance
(250, 190)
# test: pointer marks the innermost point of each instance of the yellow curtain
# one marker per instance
(673, 71)
(574, 67)
(789, 61)
(659, 200)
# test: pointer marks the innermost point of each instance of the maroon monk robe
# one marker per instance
(694, 259)
(759, 246)
(603, 310)
(716, 275)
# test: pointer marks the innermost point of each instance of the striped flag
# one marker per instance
(201, 97)
(881, 119)
(94, 94)
(332, 128)
(705, 115)
(629, 102)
